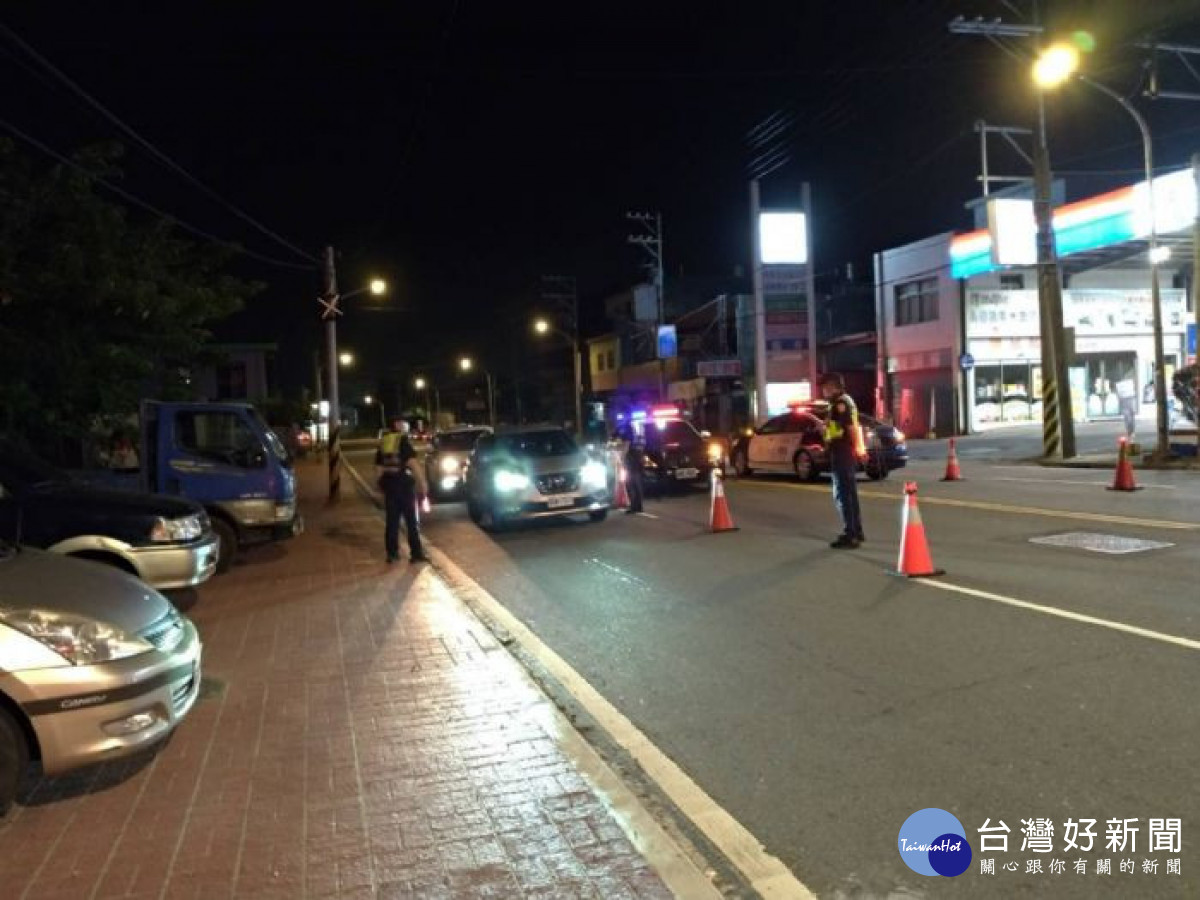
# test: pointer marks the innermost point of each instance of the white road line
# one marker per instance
(647, 515)
(1153, 487)
(1176, 640)
(766, 873)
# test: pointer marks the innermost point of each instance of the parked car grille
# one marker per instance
(558, 483)
(182, 692)
(166, 633)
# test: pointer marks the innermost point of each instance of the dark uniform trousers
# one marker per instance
(400, 502)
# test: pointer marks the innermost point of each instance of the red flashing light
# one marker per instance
(664, 412)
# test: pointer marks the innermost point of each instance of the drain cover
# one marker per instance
(1099, 543)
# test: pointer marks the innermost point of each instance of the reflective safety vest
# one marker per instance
(835, 431)
(389, 444)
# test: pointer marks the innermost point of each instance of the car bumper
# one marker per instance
(540, 508)
(177, 565)
(90, 714)
(681, 475)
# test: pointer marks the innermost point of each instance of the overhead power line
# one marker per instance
(148, 207)
(149, 147)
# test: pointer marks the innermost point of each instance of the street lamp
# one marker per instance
(1054, 67)
(543, 327)
(466, 364)
(346, 359)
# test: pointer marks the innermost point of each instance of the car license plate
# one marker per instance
(560, 502)
(684, 474)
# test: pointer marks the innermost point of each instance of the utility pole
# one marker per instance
(330, 312)
(760, 309)
(650, 240)
(1058, 425)
(563, 293)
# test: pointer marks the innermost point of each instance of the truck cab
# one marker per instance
(224, 457)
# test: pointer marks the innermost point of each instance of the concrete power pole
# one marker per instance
(650, 240)
(330, 312)
(1058, 424)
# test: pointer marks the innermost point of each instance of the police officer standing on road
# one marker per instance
(844, 445)
(635, 472)
(399, 479)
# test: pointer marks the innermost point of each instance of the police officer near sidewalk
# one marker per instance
(398, 471)
(844, 446)
(635, 472)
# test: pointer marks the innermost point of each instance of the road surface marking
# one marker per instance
(766, 873)
(927, 500)
(1100, 543)
(1187, 643)
(1153, 487)
(647, 515)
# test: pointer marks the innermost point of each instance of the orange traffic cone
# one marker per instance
(1123, 479)
(719, 518)
(620, 492)
(953, 472)
(914, 561)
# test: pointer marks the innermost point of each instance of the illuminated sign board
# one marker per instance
(1012, 228)
(782, 238)
(1101, 221)
(782, 395)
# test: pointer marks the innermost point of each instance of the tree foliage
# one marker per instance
(1183, 386)
(98, 307)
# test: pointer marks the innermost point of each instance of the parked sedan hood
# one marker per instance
(84, 498)
(32, 578)
(545, 465)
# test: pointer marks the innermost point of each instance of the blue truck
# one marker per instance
(224, 457)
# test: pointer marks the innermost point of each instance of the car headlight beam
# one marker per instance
(508, 481)
(181, 530)
(449, 465)
(594, 475)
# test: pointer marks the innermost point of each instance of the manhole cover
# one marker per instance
(1099, 543)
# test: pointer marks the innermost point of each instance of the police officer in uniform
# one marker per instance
(844, 446)
(395, 463)
(635, 472)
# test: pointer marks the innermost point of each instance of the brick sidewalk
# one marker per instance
(362, 735)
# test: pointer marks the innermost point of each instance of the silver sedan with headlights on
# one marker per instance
(534, 473)
(94, 665)
(446, 460)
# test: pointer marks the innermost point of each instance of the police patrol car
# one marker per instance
(676, 453)
(794, 443)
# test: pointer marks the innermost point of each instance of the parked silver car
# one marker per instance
(94, 664)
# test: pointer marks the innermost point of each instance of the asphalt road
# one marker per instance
(822, 701)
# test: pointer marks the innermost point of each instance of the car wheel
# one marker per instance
(876, 473)
(804, 466)
(599, 515)
(14, 759)
(229, 545)
(741, 464)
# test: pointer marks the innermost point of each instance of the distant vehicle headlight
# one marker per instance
(449, 465)
(166, 531)
(898, 436)
(594, 475)
(715, 452)
(79, 640)
(508, 482)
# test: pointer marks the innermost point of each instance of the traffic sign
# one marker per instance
(966, 362)
(1191, 339)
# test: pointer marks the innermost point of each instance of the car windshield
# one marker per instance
(672, 432)
(537, 443)
(456, 440)
(29, 472)
(273, 441)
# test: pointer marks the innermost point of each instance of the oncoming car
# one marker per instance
(94, 664)
(533, 473)
(447, 458)
(795, 443)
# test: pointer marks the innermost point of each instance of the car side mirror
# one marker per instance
(706, 434)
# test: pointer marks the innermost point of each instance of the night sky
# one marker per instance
(464, 148)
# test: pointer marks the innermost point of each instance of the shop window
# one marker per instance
(916, 301)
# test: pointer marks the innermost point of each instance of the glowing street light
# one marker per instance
(368, 399)
(346, 358)
(1055, 66)
(466, 364)
(541, 326)
(420, 384)
(378, 286)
